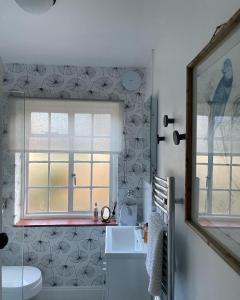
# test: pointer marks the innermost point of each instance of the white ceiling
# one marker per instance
(82, 32)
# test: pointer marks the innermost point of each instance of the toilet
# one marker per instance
(20, 282)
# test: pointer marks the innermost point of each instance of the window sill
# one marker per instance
(219, 222)
(62, 222)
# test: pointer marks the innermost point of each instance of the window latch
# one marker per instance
(74, 179)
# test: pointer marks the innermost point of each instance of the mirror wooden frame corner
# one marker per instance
(221, 35)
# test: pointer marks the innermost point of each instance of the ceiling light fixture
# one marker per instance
(36, 6)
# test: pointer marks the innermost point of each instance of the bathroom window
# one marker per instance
(60, 183)
(71, 154)
(223, 200)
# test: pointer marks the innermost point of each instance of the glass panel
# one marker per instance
(202, 159)
(221, 177)
(101, 174)
(59, 156)
(101, 196)
(58, 174)
(59, 143)
(82, 156)
(236, 178)
(81, 199)
(83, 174)
(222, 159)
(235, 207)
(59, 123)
(38, 143)
(82, 144)
(39, 123)
(101, 157)
(202, 201)
(83, 125)
(236, 160)
(38, 174)
(220, 202)
(202, 175)
(102, 125)
(37, 200)
(58, 201)
(38, 156)
(101, 144)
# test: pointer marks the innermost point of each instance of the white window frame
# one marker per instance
(113, 162)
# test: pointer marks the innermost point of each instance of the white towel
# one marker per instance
(156, 228)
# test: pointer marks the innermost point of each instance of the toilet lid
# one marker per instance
(19, 276)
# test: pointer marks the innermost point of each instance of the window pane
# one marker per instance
(236, 160)
(82, 156)
(58, 200)
(37, 200)
(38, 174)
(59, 123)
(222, 159)
(235, 177)
(202, 175)
(235, 203)
(101, 174)
(202, 159)
(38, 143)
(38, 156)
(59, 174)
(202, 201)
(101, 157)
(221, 177)
(220, 202)
(39, 123)
(83, 174)
(102, 125)
(82, 144)
(59, 156)
(101, 144)
(83, 124)
(101, 196)
(59, 143)
(81, 200)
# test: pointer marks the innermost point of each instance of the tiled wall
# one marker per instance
(73, 256)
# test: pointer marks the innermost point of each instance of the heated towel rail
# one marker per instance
(164, 199)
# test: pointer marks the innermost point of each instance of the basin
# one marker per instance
(124, 240)
(125, 253)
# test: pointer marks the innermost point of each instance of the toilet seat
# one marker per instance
(20, 280)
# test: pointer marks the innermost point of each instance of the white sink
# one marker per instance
(125, 264)
(124, 240)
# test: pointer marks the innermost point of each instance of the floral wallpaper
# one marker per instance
(69, 255)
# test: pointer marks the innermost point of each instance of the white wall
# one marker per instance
(185, 27)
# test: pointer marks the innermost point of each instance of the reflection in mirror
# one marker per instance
(213, 187)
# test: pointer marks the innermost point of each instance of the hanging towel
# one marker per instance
(156, 228)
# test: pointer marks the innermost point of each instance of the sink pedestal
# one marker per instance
(127, 277)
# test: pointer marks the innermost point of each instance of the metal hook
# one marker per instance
(177, 137)
(167, 120)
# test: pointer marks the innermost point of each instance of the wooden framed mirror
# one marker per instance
(213, 143)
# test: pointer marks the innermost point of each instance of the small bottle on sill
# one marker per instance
(95, 213)
(145, 233)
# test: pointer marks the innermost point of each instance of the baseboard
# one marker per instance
(71, 293)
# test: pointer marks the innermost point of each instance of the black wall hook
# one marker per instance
(160, 138)
(167, 120)
(177, 137)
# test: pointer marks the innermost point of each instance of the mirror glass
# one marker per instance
(216, 154)
(105, 213)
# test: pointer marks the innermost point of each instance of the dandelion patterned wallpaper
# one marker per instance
(73, 256)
